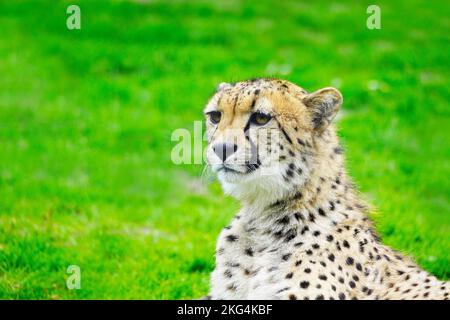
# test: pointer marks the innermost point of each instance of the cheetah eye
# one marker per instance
(214, 116)
(260, 118)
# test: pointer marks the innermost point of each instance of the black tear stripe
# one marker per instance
(254, 162)
(286, 135)
(284, 132)
(212, 136)
(246, 129)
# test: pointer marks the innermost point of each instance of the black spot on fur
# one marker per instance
(231, 238)
(304, 230)
(338, 150)
(228, 274)
(284, 220)
(249, 252)
(286, 256)
(332, 207)
(297, 196)
(290, 235)
(304, 284)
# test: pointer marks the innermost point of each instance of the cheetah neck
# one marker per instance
(326, 199)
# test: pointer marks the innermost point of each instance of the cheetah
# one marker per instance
(303, 231)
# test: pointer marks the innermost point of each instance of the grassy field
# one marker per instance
(86, 118)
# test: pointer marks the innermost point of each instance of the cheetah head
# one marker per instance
(262, 136)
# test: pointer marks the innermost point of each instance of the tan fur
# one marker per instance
(303, 231)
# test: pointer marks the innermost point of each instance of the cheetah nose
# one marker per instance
(224, 150)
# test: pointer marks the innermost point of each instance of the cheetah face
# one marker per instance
(260, 136)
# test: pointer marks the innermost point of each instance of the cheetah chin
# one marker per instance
(264, 185)
(303, 231)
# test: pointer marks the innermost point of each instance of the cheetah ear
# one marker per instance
(222, 85)
(323, 105)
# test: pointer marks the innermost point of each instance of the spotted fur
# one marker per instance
(302, 232)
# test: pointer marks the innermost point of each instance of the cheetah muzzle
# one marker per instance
(302, 231)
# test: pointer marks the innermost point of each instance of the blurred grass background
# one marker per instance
(86, 118)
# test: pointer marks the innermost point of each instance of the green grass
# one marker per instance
(86, 118)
